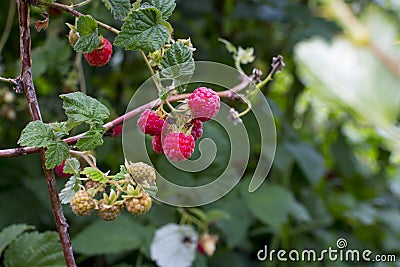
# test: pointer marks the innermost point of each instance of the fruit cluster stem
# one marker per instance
(29, 90)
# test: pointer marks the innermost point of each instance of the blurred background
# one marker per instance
(336, 104)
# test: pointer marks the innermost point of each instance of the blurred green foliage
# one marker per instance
(332, 176)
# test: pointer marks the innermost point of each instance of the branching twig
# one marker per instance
(76, 14)
(22, 151)
(29, 90)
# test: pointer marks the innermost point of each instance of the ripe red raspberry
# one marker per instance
(60, 170)
(117, 131)
(101, 55)
(157, 145)
(178, 146)
(150, 123)
(197, 130)
(205, 103)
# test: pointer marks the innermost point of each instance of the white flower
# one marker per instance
(174, 246)
(245, 56)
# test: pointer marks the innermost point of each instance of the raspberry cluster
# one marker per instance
(129, 194)
(175, 134)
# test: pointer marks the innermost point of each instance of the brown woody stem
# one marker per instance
(29, 90)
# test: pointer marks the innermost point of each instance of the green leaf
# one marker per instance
(165, 6)
(92, 139)
(119, 8)
(37, 134)
(178, 63)
(35, 249)
(94, 174)
(124, 234)
(309, 160)
(143, 29)
(87, 43)
(121, 174)
(72, 166)
(82, 108)
(55, 154)
(60, 129)
(272, 204)
(69, 190)
(10, 233)
(86, 25)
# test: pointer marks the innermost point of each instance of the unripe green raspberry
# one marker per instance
(138, 205)
(108, 212)
(142, 173)
(82, 203)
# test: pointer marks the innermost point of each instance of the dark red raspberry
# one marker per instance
(197, 130)
(101, 55)
(205, 103)
(157, 145)
(178, 146)
(150, 123)
(60, 170)
(117, 130)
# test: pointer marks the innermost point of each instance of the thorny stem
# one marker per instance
(29, 90)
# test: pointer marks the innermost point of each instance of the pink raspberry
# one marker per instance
(101, 55)
(178, 146)
(205, 103)
(150, 123)
(197, 130)
(157, 145)
(60, 170)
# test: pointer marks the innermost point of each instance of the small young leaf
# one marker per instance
(35, 249)
(178, 63)
(165, 6)
(82, 108)
(10, 233)
(121, 175)
(119, 8)
(69, 190)
(87, 43)
(59, 129)
(86, 25)
(37, 134)
(56, 153)
(94, 174)
(143, 29)
(92, 139)
(72, 166)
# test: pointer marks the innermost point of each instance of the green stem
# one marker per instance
(139, 260)
(85, 156)
(189, 217)
(81, 4)
(153, 76)
(7, 80)
(247, 109)
(238, 67)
